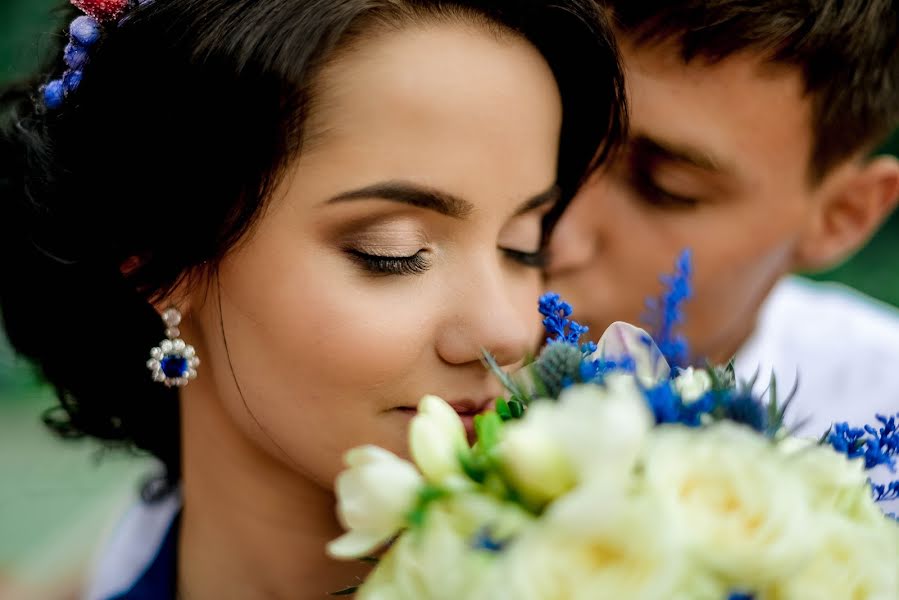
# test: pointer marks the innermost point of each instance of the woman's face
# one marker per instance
(394, 251)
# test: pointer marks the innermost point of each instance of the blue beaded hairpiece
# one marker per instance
(84, 33)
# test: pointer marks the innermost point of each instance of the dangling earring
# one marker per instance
(173, 362)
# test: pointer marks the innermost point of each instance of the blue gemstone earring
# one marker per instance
(173, 362)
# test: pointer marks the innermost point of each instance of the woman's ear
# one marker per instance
(850, 213)
(189, 291)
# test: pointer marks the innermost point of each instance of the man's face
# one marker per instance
(717, 161)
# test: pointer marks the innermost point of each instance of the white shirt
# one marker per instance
(842, 345)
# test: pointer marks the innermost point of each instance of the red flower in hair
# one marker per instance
(102, 10)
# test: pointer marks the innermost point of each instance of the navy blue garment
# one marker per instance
(159, 581)
(139, 560)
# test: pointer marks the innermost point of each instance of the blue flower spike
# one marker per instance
(559, 326)
(878, 447)
(665, 313)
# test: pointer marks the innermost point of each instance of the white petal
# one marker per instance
(436, 439)
(625, 340)
(355, 544)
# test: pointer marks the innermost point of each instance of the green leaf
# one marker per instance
(731, 368)
(773, 409)
(427, 495)
(488, 427)
(517, 410)
(748, 385)
(473, 466)
(502, 409)
(516, 391)
(776, 424)
(723, 377)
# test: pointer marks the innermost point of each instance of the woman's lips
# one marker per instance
(466, 409)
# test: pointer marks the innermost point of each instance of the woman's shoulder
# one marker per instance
(138, 560)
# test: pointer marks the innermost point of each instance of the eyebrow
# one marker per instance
(432, 199)
(645, 147)
(551, 195)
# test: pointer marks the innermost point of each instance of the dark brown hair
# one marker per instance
(846, 50)
(162, 159)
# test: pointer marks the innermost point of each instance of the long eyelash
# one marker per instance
(390, 265)
(536, 260)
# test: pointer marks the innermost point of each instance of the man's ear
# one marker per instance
(849, 212)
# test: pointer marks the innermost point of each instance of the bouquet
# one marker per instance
(608, 473)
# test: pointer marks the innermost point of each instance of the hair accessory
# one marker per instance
(84, 32)
(173, 362)
(103, 11)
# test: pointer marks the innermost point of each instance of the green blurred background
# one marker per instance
(56, 497)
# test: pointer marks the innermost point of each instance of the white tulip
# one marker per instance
(534, 458)
(623, 340)
(374, 495)
(438, 441)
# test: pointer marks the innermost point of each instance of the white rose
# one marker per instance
(437, 441)
(591, 433)
(692, 384)
(374, 496)
(613, 561)
(622, 340)
(837, 485)
(743, 513)
(851, 561)
(603, 428)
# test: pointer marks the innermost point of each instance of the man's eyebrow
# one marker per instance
(549, 196)
(643, 146)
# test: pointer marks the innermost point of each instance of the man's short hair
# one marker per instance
(846, 50)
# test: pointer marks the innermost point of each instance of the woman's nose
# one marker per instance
(493, 317)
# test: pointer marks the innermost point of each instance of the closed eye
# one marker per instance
(376, 264)
(536, 259)
(654, 194)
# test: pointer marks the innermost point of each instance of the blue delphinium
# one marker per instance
(878, 447)
(665, 313)
(886, 492)
(664, 403)
(559, 326)
(594, 370)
